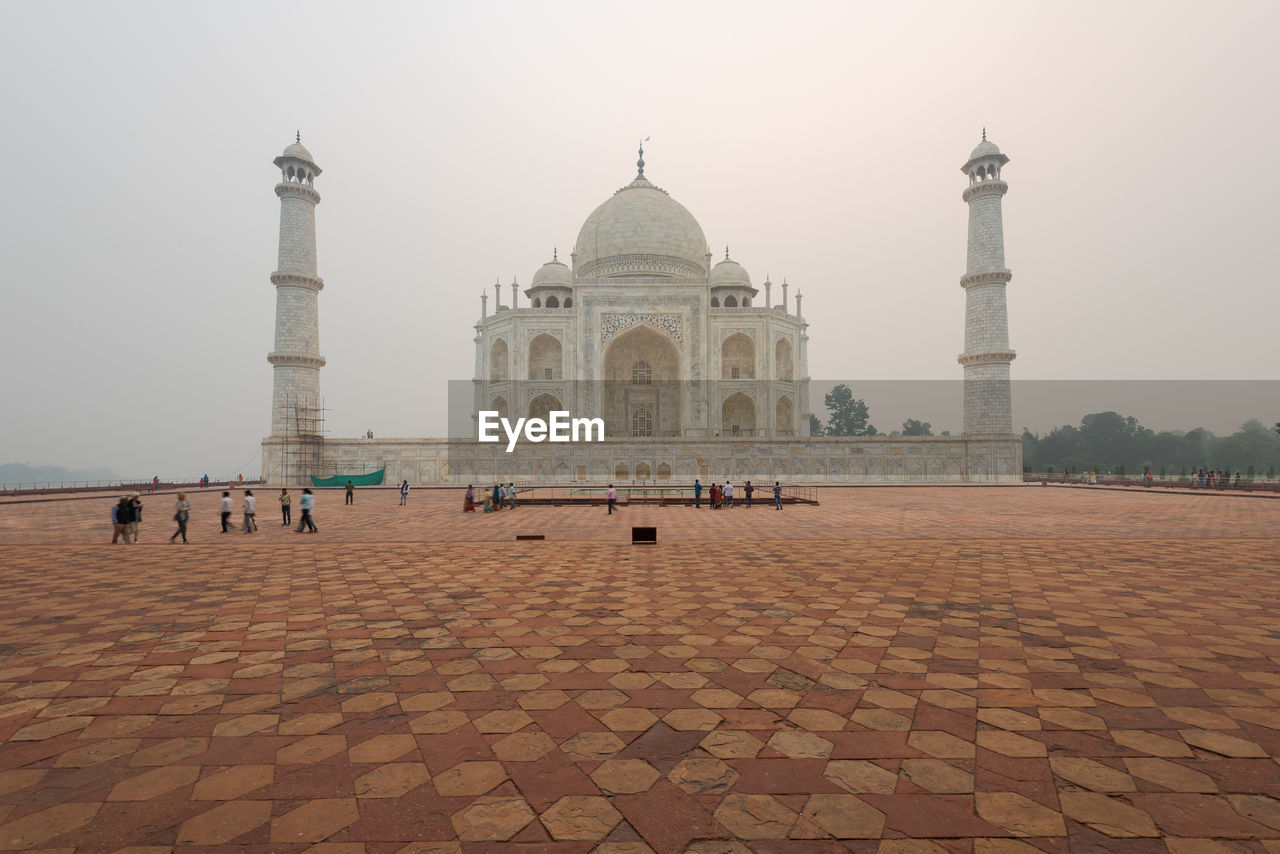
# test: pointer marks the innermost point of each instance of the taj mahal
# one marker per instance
(695, 371)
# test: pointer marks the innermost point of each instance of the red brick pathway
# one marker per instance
(992, 670)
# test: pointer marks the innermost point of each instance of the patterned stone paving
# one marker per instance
(955, 670)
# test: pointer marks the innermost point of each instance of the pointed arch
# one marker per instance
(499, 361)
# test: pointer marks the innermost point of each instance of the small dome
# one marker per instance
(985, 148)
(552, 273)
(729, 272)
(298, 150)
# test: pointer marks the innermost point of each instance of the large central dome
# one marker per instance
(641, 232)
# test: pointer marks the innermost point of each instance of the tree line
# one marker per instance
(1104, 441)
(1109, 441)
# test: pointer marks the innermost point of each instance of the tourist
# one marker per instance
(697, 494)
(204, 481)
(181, 513)
(155, 483)
(777, 495)
(404, 493)
(351, 493)
(286, 500)
(511, 496)
(612, 495)
(747, 490)
(240, 479)
(728, 494)
(250, 511)
(497, 497)
(488, 502)
(224, 507)
(135, 515)
(306, 504)
(120, 521)
(715, 496)
(469, 500)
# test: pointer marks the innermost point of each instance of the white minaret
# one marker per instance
(988, 403)
(295, 397)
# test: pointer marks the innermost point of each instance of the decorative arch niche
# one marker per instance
(784, 416)
(738, 416)
(784, 360)
(738, 358)
(546, 358)
(499, 361)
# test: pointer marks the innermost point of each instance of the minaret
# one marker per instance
(295, 397)
(988, 403)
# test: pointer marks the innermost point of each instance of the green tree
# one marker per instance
(912, 427)
(815, 426)
(849, 415)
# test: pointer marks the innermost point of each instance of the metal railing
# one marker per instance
(1244, 483)
(40, 487)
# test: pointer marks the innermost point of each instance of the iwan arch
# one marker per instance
(695, 370)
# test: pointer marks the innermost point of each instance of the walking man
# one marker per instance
(612, 495)
(404, 493)
(120, 522)
(697, 494)
(305, 504)
(135, 515)
(224, 507)
(777, 495)
(511, 496)
(250, 511)
(748, 489)
(351, 493)
(728, 494)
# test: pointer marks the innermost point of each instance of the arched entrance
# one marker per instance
(642, 385)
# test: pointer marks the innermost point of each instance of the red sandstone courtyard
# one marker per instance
(1005, 669)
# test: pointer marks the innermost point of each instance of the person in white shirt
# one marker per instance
(224, 507)
(612, 495)
(728, 494)
(250, 510)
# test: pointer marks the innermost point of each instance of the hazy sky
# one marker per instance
(460, 142)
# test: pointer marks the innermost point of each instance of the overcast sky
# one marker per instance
(460, 142)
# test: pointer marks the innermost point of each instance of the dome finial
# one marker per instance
(640, 162)
(984, 134)
(555, 253)
(297, 137)
(726, 252)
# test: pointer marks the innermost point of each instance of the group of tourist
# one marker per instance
(1213, 479)
(126, 514)
(721, 496)
(502, 495)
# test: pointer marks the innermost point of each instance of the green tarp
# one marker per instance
(371, 479)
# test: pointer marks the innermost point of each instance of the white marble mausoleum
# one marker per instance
(695, 370)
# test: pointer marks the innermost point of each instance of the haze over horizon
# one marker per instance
(459, 143)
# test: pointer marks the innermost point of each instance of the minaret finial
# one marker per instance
(555, 253)
(984, 134)
(640, 162)
(726, 252)
(297, 137)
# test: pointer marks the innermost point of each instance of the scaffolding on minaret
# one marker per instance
(303, 451)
